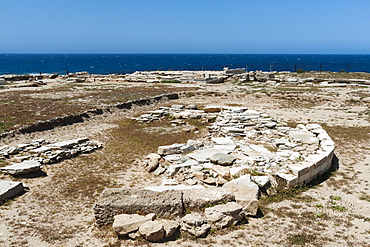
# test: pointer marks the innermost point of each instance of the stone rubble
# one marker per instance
(246, 153)
(44, 152)
(27, 158)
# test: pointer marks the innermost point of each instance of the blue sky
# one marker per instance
(185, 26)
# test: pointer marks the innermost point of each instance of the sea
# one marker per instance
(129, 63)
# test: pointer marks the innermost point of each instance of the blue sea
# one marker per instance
(128, 63)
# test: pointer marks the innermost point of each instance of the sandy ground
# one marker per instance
(336, 212)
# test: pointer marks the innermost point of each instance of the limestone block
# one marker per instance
(221, 170)
(195, 225)
(170, 227)
(170, 149)
(22, 168)
(179, 187)
(221, 216)
(246, 192)
(223, 159)
(126, 223)
(9, 189)
(303, 137)
(300, 169)
(289, 178)
(152, 231)
(113, 201)
(222, 140)
(262, 181)
(305, 178)
(194, 199)
(204, 155)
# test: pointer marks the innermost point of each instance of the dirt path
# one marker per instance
(57, 210)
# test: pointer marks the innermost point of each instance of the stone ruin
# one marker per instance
(28, 158)
(216, 181)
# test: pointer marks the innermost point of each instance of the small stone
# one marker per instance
(223, 159)
(152, 231)
(170, 227)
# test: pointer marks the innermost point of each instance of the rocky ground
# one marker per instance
(57, 208)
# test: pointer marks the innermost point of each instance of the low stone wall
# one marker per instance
(314, 164)
(79, 117)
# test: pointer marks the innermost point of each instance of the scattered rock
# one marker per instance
(228, 214)
(223, 159)
(152, 231)
(9, 189)
(195, 225)
(170, 227)
(126, 223)
(246, 193)
(25, 167)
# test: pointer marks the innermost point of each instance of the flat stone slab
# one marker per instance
(223, 159)
(173, 187)
(200, 198)
(126, 223)
(204, 155)
(22, 168)
(130, 201)
(9, 189)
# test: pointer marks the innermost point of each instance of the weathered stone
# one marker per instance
(179, 187)
(152, 161)
(228, 214)
(152, 231)
(204, 155)
(9, 189)
(246, 193)
(223, 159)
(199, 175)
(126, 223)
(221, 170)
(170, 227)
(209, 181)
(211, 109)
(262, 181)
(303, 137)
(223, 140)
(126, 200)
(22, 168)
(171, 149)
(195, 225)
(199, 198)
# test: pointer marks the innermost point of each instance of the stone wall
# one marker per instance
(79, 117)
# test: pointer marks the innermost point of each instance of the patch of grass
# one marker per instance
(344, 135)
(336, 198)
(300, 239)
(339, 208)
(365, 197)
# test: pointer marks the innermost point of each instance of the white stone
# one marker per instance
(22, 168)
(173, 187)
(9, 189)
(152, 231)
(126, 223)
(246, 193)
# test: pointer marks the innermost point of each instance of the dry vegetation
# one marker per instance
(24, 107)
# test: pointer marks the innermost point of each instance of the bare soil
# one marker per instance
(57, 208)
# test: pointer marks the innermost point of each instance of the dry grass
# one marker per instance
(25, 107)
